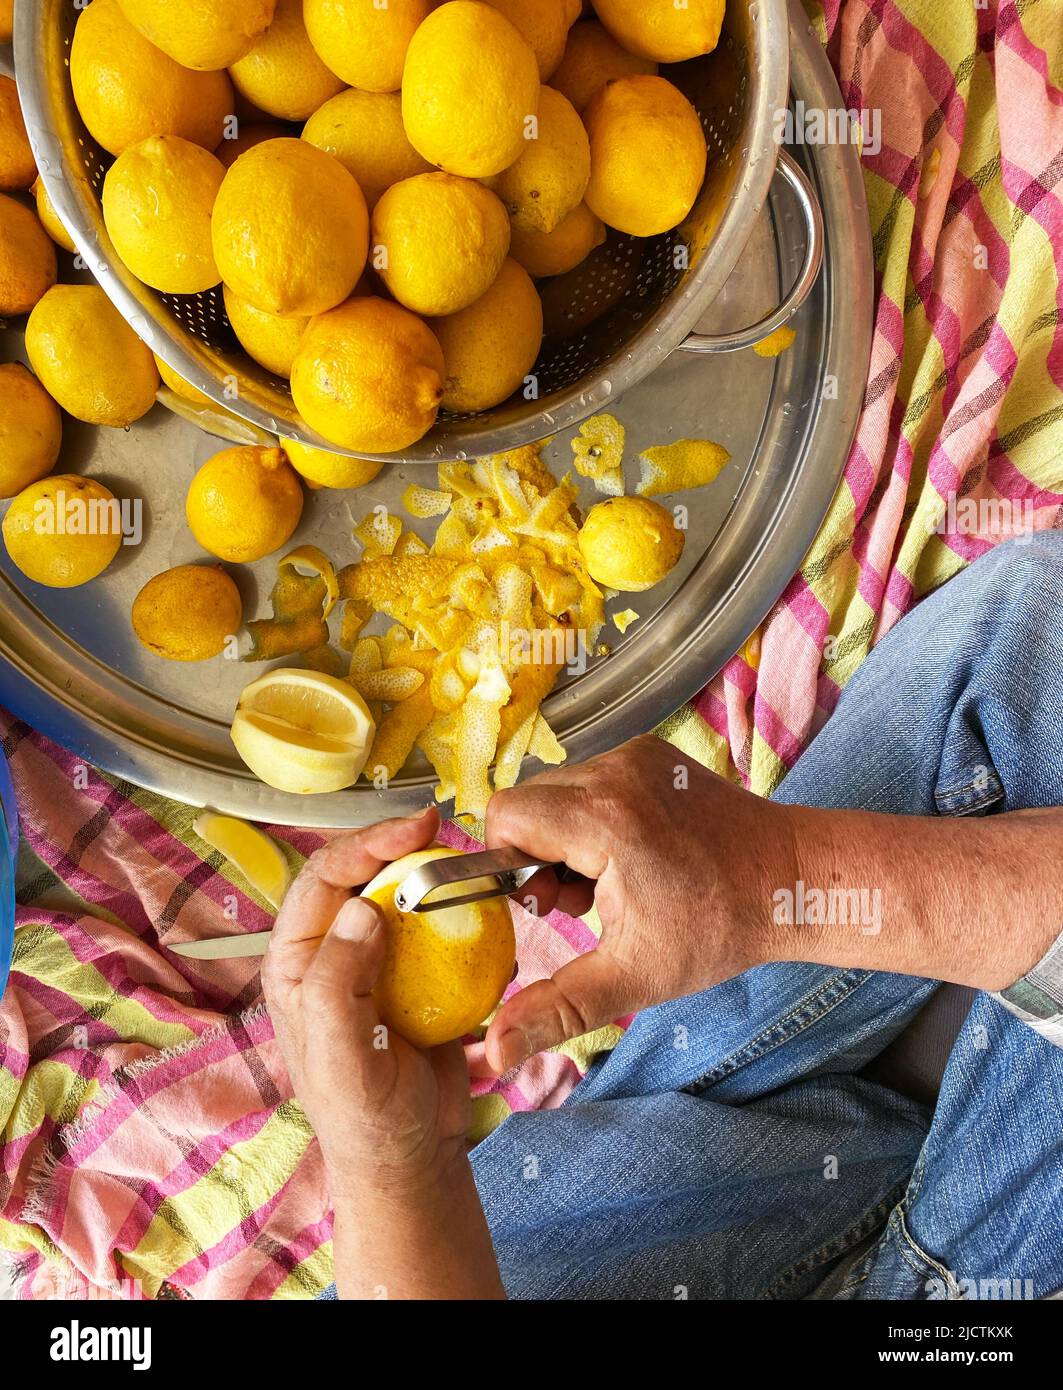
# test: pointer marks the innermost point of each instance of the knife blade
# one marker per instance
(225, 947)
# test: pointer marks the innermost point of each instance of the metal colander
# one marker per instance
(608, 323)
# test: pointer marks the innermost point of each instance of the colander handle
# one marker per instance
(803, 191)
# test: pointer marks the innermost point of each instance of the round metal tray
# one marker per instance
(73, 668)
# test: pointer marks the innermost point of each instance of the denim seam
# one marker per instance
(927, 1261)
(838, 1246)
(952, 803)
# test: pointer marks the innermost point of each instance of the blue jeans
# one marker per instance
(730, 1147)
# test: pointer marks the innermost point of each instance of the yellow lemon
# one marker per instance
(49, 219)
(182, 388)
(444, 971)
(7, 9)
(630, 543)
(251, 851)
(27, 259)
(17, 166)
(364, 131)
(31, 429)
(88, 358)
(205, 35)
(369, 376)
(363, 42)
(303, 731)
(557, 252)
(127, 89)
(551, 175)
(543, 24)
(271, 339)
(290, 229)
(187, 613)
(63, 531)
(648, 155)
(246, 138)
(244, 503)
(469, 87)
(439, 242)
(282, 74)
(491, 346)
(593, 58)
(322, 469)
(158, 197)
(662, 29)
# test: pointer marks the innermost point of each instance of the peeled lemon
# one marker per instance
(187, 613)
(663, 30)
(63, 531)
(630, 543)
(593, 58)
(444, 971)
(290, 229)
(17, 167)
(254, 853)
(244, 503)
(648, 155)
(27, 259)
(158, 197)
(282, 74)
(543, 24)
(490, 347)
(127, 89)
(303, 731)
(557, 252)
(439, 241)
(323, 469)
(550, 178)
(470, 85)
(49, 219)
(362, 42)
(364, 131)
(88, 358)
(369, 376)
(31, 429)
(271, 339)
(207, 35)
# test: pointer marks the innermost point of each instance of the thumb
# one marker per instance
(345, 967)
(582, 996)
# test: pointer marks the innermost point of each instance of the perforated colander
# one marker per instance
(608, 323)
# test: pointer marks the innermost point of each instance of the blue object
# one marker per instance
(8, 857)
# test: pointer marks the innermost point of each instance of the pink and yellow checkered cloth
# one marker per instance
(148, 1142)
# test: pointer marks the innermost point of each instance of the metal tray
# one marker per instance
(73, 668)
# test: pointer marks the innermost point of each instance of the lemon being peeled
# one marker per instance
(444, 971)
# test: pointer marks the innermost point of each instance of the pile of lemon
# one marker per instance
(377, 186)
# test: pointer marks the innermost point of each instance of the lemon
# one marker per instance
(362, 42)
(27, 259)
(127, 89)
(282, 75)
(63, 531)
(439, 242)
(157, 200)
(187, 613)
(369, 376)
(244, 503)
(206, 34)
(364, 131)
(648, 155)
(322, 469)
(303, 731)
(246, 138)
(88, 358)
(254, 853)
(543, 24)
(31, 429)
(271, 339)
(444, 971)
(550, 178)
(470, 85)
(663, 30)
(573, 9)
(180, 387)
(7, 8)
(17, 166)
(557, 252)
(491, 346)
(630, 543)
(290, 229)
(593, 58)
(49, 218)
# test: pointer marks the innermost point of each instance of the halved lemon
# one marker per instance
(258, 857)
(303, 731)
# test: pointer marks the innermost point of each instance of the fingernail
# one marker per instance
(515, 1048)
(420, 815)
(355, 921)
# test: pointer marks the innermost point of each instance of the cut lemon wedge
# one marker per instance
(303, 731)
(250, 850)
